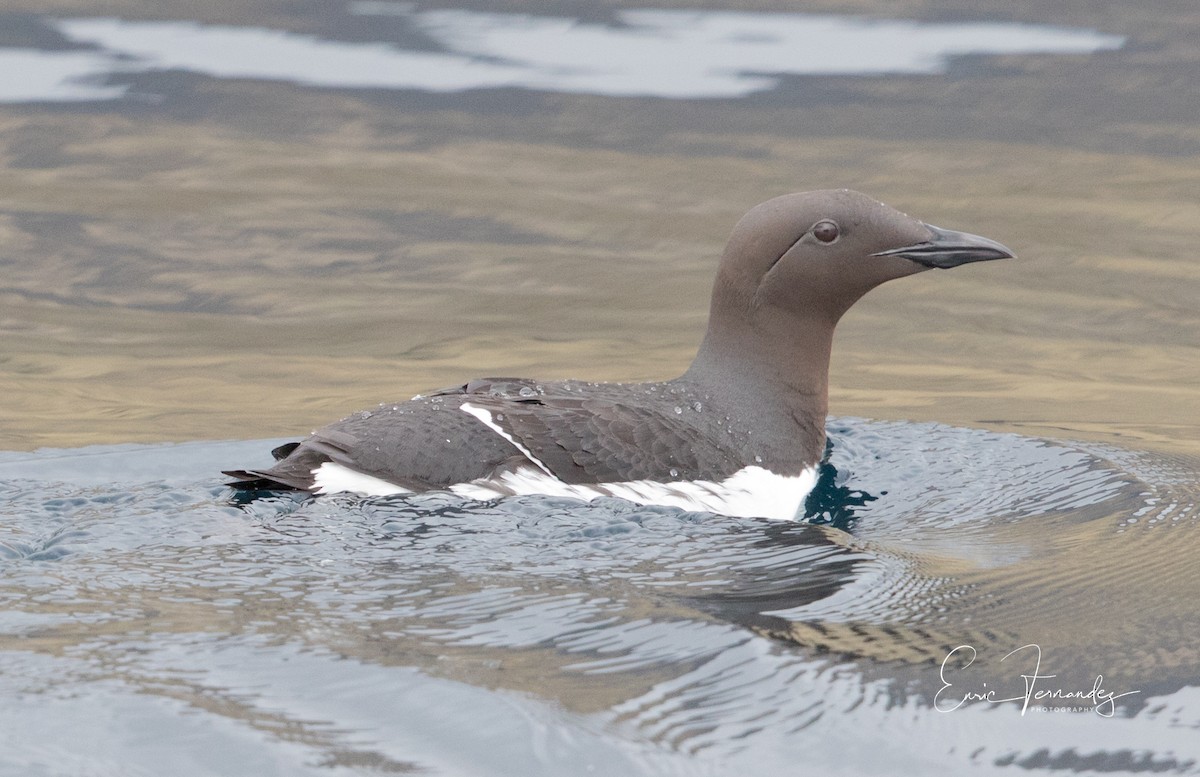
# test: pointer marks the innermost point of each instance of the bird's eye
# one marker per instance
(826, 231)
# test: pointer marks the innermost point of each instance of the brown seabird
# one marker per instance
(741, 432)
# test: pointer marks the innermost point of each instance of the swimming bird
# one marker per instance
(740, 433)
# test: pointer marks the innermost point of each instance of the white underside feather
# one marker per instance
(751, 492)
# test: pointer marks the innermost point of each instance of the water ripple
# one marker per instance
(304, 632)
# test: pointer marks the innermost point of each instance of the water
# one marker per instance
(151, 624)
(657, 53)
(232, 221)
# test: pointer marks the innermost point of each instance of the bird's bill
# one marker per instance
(947, 248)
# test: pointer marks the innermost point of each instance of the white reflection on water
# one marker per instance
(656, 53)
(28, 75)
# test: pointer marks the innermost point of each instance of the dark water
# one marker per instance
(149, 625)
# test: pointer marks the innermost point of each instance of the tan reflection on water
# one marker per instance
(191, 281)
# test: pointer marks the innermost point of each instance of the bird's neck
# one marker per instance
(773, 370)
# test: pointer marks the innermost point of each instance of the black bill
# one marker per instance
(947, 248)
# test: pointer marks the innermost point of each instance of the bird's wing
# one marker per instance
(473, 431)
(583, 441)
(418, 446)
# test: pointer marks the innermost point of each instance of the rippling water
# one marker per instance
(150, 624)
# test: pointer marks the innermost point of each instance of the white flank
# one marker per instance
(331, 478)
(751, 492)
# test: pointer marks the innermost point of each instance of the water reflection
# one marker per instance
(656, 53)
(337, 632)
(28, 75)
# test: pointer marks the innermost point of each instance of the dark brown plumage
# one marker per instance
(754, 398)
